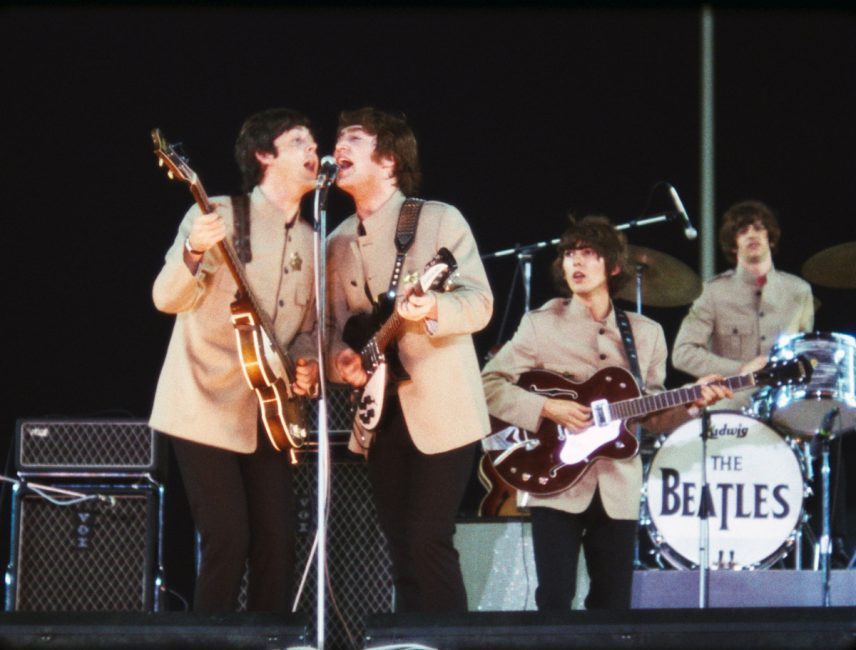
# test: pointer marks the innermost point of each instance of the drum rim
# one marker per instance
(814, 336)
(676, 559)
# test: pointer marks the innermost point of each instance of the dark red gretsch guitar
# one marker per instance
(552, 459)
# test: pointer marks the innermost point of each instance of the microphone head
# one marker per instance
(690, 232)
(328, 164)
(327, 172)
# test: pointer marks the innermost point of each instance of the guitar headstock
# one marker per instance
(438, 272)
(176, 164)
(789, 371)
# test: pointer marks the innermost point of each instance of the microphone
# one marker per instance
(689, 231)
(327, 172)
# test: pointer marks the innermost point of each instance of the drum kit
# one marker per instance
(759, 460)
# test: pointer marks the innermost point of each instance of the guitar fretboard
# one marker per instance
(639, 406)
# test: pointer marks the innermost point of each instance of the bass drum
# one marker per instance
(756, 485)
(800, 409)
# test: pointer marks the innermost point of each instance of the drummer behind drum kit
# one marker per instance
(759, 463)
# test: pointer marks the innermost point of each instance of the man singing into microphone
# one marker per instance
(740, 314)
(238, 487)
(421, 454)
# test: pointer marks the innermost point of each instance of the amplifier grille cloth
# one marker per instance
(89, 556)
(56, 444)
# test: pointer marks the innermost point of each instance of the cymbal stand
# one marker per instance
(640, 269)
(704, 529)
(524, 268)
(808, 469)
(825, 539)
(825, 436)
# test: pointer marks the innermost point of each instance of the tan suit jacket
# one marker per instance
(202, 394)
(563, 337)
(443, 402)
(734, 321)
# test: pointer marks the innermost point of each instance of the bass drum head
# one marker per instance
(756, 487)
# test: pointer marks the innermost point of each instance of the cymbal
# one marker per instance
(833, 267)
(666, 281)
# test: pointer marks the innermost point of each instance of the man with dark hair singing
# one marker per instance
(420, 454)
(577, 337)
(239, 487)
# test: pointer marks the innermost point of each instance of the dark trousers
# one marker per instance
(608, 544)
(244, 511)
(417, 498)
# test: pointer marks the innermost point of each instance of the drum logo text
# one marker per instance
(724, 500)
(726, 431)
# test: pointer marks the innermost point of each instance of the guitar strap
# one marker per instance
(241, 219)
(405, 233)
(629, 345)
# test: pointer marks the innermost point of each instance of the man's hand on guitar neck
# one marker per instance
(349, 365)
(205, 231)
(713, 389)
(416, 307)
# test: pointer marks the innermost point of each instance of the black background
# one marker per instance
(522, 115)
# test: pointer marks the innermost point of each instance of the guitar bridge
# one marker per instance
(600, 412)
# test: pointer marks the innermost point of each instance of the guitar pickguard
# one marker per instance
(579, 447)
(370, 405)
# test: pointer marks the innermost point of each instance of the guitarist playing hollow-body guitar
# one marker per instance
(238, 485)
(577, 337)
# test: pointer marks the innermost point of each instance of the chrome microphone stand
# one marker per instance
(323, 485)
(704, 524)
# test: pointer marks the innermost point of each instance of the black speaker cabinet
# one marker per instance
(358, 565)
(359, 570)
(96, 553)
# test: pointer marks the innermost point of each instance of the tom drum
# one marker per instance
(801, 409)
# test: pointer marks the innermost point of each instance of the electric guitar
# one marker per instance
(267, 369)
(373, 337)
(552, 459)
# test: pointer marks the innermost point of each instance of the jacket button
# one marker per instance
(602, 356)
